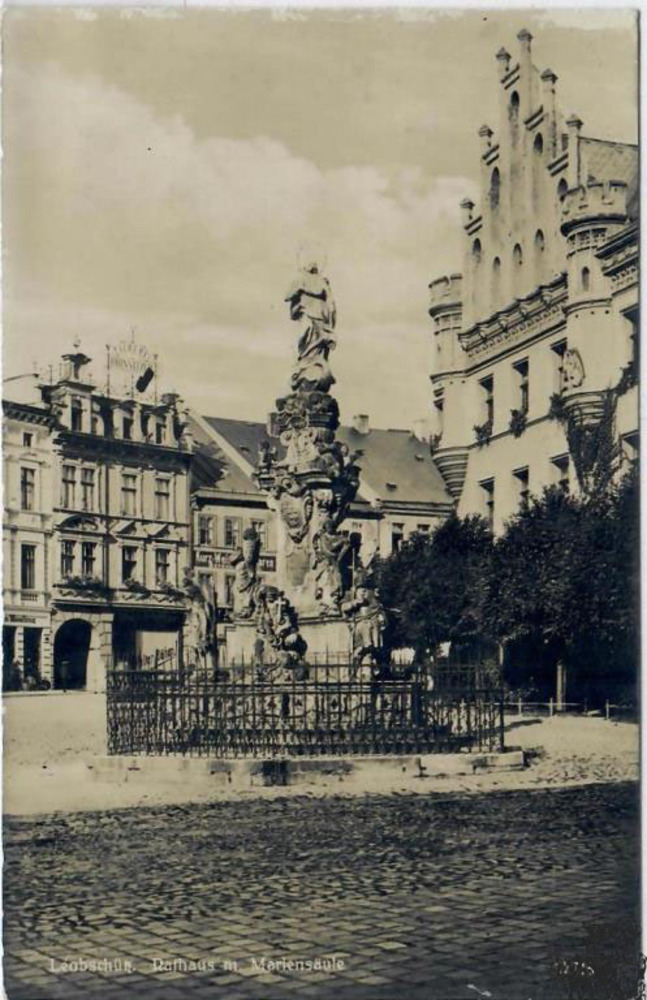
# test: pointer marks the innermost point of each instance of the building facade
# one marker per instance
(544, 316)
(28, 516)
(97, 526)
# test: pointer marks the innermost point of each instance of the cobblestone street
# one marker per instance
(519, 895)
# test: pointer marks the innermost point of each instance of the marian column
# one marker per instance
(313, 484)
(323, 604)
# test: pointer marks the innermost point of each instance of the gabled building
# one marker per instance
(546, 305)
(97, 526)
(400, 492)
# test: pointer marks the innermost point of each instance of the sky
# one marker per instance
(165, 171)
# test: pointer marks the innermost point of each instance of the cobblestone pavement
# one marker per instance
(518, 895)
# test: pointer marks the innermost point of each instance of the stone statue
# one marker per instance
(266, 456)
(245, 562)
(277, 630)
(313, 306)
(201, 620)
(330, 550)
(367, 621)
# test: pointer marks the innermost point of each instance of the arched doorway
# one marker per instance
(71, 648)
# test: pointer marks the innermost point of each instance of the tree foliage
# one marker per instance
(562, 581)
(434, 586)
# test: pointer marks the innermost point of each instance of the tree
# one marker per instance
(564, 583)
(434, 586)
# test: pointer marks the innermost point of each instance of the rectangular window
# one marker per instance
(67, 558)
(232, 532)
(522, 369)
(523, 492)
(128, 494)
(260, 527)
(128, 428)
(205, 530)
(487, 392)
(27, 439)
(77, 415)
(423, 528)
(558, 351)
(229, 590)
(487, 490)
(162, 498)
(28, 567)
(69, 486)
(560, 466)
(87, 489)
(160, 433)
(128, 562)
(397, 537)
(88, 558)
(162, 565)
(27, 488)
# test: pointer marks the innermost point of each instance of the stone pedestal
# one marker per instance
(328, 639)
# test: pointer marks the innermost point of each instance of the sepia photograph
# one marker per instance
(321, 635)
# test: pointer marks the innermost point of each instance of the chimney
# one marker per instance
(361, 424)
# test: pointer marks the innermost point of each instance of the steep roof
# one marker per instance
(395, 466)
(604, 160)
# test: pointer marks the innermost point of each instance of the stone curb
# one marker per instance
(199, 772)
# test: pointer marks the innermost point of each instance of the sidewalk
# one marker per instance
(55, 749)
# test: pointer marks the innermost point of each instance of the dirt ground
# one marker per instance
(53, 743)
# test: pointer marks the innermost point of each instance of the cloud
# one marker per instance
(117, 217)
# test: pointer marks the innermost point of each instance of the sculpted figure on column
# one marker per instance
(312, 305)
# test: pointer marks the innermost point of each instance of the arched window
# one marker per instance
(495, 188)
(562, 188)
(540, 243)
(476, 251)
(496, 277)
(514, 105)
(517, 255)
(538, 144)
(586, 279)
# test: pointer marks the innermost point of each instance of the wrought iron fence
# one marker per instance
(331, 712)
